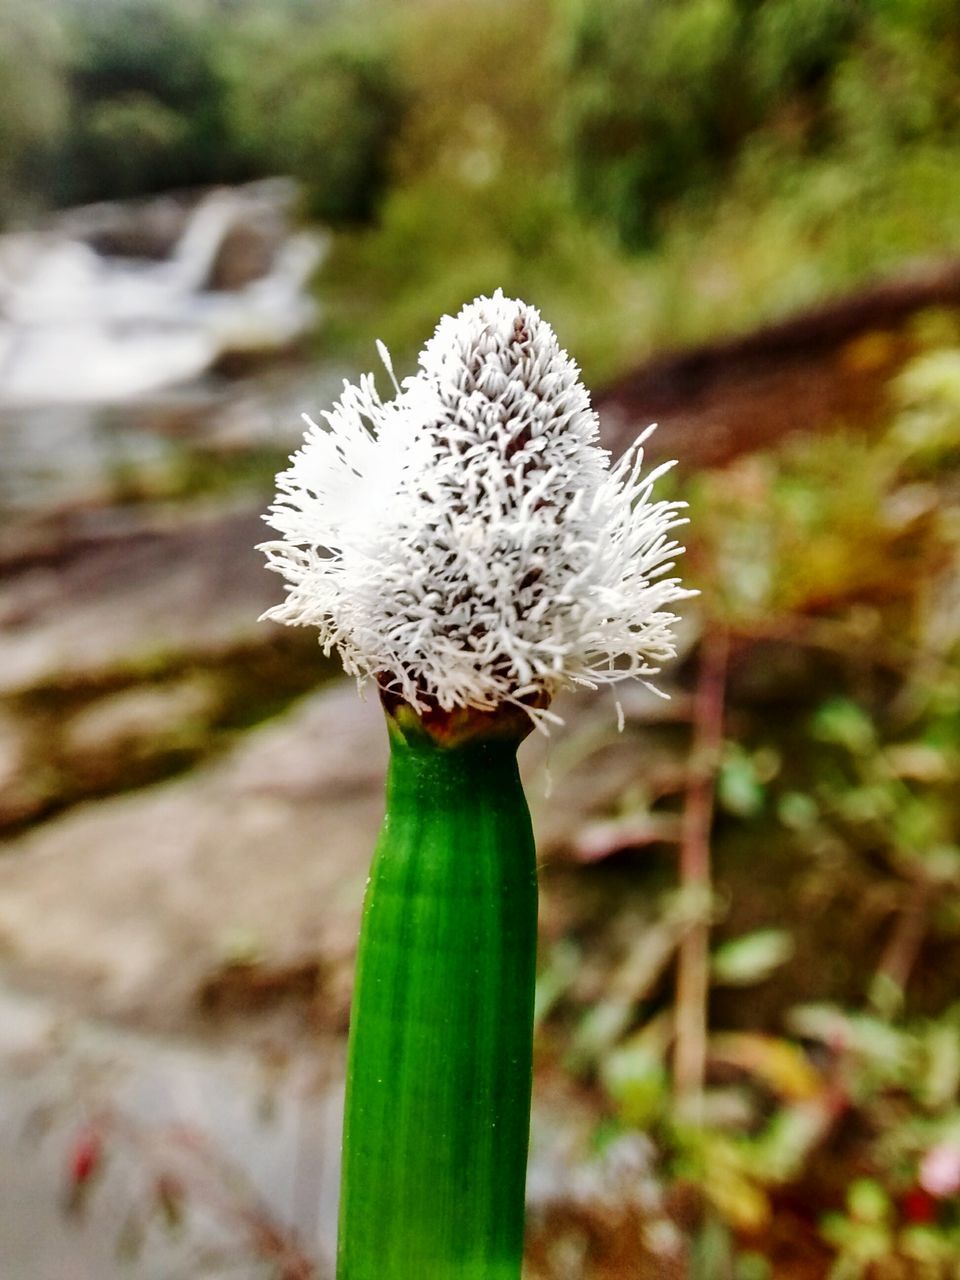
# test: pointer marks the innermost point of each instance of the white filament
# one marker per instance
(468, 543)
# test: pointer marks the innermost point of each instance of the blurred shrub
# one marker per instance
(176, 93)
(477, 197)
(899, 83)
(928, 396)
(667, 96)
(147, 101)
(658, 104)
(831, 562)
(318, 99)
(130, 145)
(795, 44)
(760, 153)
(742, 145)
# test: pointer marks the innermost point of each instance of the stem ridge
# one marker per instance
(439, 1077)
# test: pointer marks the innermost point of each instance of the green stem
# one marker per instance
(439, 1076)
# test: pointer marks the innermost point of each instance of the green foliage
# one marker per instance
(147, 101)
(928, 396)
(545, 144)
(130, 145)
(794, 46)
(667, 97)
(31, 51)
(479, 197)
(789, 534)
(760, 155)
(835, 556)
(127, 97)
(863, 1234)
(438, 244)
(656, 104)
(742, 779)
(320, 101)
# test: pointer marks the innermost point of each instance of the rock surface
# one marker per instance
(133, 588)
(133, 902)
(148, 906)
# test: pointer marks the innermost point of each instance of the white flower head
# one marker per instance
(468, 543)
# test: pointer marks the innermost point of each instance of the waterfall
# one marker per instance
(81, 327)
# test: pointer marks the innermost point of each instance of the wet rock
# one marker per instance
(139, 715)
(131, 904)
(244, 876)
(11, 750)
(247, 251)
(21, 791)
(129, 228)
(248, 1138)
(252, 986)
(100, 741)
(130, 649)
(137, 592)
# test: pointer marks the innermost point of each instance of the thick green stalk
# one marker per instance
(439, 1076)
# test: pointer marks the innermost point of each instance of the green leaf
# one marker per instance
(751, 958)
(752, 1266)
(636, 1078)
(797, 811)
(868, 1202)
(558, 974)
(845, 724)
(711, 1256)
(739, 788)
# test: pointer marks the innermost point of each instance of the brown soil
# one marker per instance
(827, 365)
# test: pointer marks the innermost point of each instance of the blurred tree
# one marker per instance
(794, 45)
(316, 97)
(33, 101)
(478, 195)
(665, 95)
(148, 101)
(901, 83)
(657, 103)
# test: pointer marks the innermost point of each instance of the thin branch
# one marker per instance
(693, 968)
(902, 949)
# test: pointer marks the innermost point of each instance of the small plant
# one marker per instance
(469, 548)
(824, 1133)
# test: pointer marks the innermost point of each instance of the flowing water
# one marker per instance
(109, 363)
(115, 325)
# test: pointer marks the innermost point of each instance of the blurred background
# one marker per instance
(743, 219)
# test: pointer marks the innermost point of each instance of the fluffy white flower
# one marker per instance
(467, 543)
